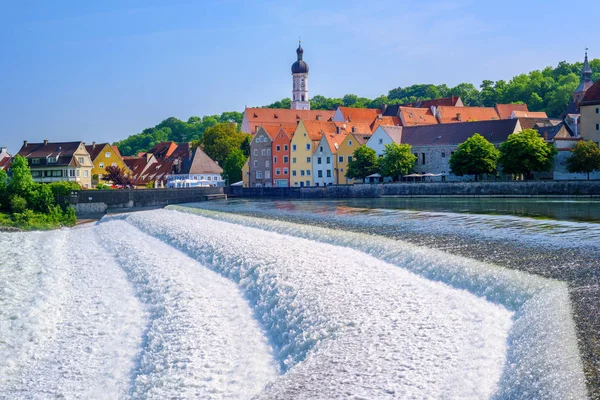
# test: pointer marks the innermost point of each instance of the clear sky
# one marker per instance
(102, 70)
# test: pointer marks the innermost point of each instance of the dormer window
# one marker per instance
(51, 159)
(35, 160)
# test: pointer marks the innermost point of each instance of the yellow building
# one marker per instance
(246, 174)
(301, 150)
(104, 155)
(344, 154)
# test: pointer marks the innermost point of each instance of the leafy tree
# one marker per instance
(474, 156)
(117, 176)
(220, 140)
(585, 158)
(3, 189)
(364, 163)
(232, 167)
(397, 160)
(21, 182)
(526, 152)
(245, 146)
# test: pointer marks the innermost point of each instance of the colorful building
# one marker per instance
(344, 155)
(324, 162)
(104, 155)
(261, 159)
(281, 155)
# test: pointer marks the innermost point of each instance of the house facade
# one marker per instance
(59, 161)
(261, 159)
(193, 169)
(104, 155)
(383, 136)
(345, 151)
(324, 162)
(281, 156)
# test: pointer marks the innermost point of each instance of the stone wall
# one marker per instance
(466, 189)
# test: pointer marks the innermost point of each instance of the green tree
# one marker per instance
(364, 163)
(526, 152)
(232, 167)
(474, 156)
(3, 190)
(397, 160)
(220, 140)
(21, 182)
(585, 158)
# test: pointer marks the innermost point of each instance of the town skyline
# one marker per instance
(75, 95)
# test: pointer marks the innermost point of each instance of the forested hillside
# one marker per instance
(547, 90)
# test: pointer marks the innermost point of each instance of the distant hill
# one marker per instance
(548, 90)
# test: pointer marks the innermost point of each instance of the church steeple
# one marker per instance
(300, 82)
(586, 72)
(586, 81)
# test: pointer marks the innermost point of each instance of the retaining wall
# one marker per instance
(460, 189)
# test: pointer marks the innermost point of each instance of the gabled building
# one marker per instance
(411, 116)
(282, 138)
(59, 161)
(383, 136)
(261, 159)
(192, 167)
(505, 111)
(356, 115)
(104, 155)
(324, 159)
(344, 155)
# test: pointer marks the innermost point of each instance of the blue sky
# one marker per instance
(102, 70)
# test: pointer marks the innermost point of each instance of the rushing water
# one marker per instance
(315, 300)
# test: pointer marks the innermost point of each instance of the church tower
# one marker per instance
(586, 81)
(300, 82)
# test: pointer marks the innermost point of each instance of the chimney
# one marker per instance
(349, 119)
(458, 116)
(24, 142)
(45, 142)
(337, 130)
(353, 129)
(380, 116)
(318, 117)
(2, 149)
(383, 108)
(93, 145)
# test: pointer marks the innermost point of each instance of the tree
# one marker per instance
(3, 190)
(474, 156)
(117, 176)
(21, 182)
(526, 152)
(364, 163)
(585, 158)
(232, 167)
(397, 160)
(220, 140)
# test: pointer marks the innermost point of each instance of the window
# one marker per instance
(320, 173)
(286, 159)
(321, 149)
(423, 154)
(443, 155)
(101, 165)
(52, 160)
(267, 174)
(263, 152)
(598, 127)
(301, 172)
(80, 159)
(36, 174)
(114, 164)
(285, 147)
(318, 160)
(58, 173)
(256, 152)
(208, 178)
(380, 141)
(285, 171)
(35, 160)
(329, 173)
(267, 163)
(72, 173)
(293, 160)
(307, 146)
(328, 160)
(275, 160)
(307, 183)
(107, 154)
(349, 142)
(597, 110)
(308, 172)
(269, 151)
(277, 171)
(349, 158)
(341, 159)
(293, 147)
(307, 159)
(255, 163)
(258, 174)
(294, 172)
(86, 173)
(278, 148)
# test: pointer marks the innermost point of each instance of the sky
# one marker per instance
(103, 70)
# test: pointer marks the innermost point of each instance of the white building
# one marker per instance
(323, 160)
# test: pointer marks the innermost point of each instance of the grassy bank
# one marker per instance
(31, 221)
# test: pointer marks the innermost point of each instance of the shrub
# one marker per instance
(18, 204)
(64, 188)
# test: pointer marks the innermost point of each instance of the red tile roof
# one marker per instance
(276, 116)
(412, 116)
(334, 141)
(163, 150)
(116, 149)
(95, 149)
(466, 114)
(359, 115)
(385, 120)
(505, 110)
(5, 163)
(452, 101)
(529, 114)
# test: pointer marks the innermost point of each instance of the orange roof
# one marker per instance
(364, 115)
(411, 116)
(315, 129)
(448, 114)
(116, 149)
(385, 120)
(334, 141)
(277, 116)
(505, 110)
(529, 114)
(273, 130)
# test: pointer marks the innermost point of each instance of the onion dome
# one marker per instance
(299, 67)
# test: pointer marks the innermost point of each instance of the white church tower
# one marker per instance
(300, 82)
